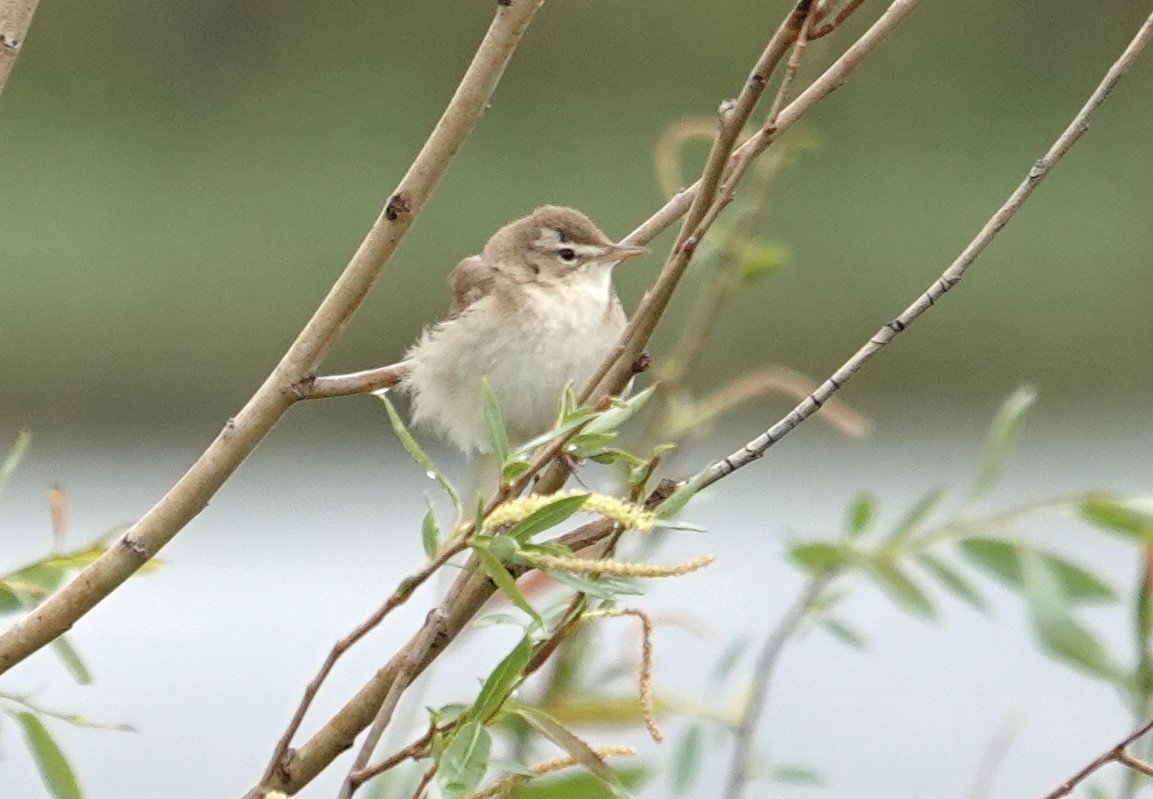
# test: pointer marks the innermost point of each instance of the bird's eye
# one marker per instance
(566, 254)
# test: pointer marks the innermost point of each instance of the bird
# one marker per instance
(534, 312)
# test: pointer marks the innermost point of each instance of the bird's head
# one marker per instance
(554, 244)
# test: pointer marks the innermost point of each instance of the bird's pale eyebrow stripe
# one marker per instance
(548, 238)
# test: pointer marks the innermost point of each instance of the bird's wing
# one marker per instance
(469, 281)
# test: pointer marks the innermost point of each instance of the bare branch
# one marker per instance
(15, 20)
(243, 432)
(353, 383)
(1116, 754)
(762, 678)
(404, 676)
(949, 278)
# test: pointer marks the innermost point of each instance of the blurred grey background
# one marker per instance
(181, 182)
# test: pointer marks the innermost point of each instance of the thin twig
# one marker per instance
(398, 597)
(354, 383)
(1116, 754)
(762, 678)
(949, 278)
(404, 676)
(15, 20)
(416, 749)
(248, 428)
(835, 22)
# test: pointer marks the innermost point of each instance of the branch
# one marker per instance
(15, 19)
(243, 432)
(949, 278)
(404, 676)
(353, 383)
(761, 679)
(1116, 754)
(463, 601)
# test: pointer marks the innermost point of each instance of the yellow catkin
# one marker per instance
(628, 514)
(615, 567)
(506, 784)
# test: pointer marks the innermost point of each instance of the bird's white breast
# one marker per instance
(557, 335)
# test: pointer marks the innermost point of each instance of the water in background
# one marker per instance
(208, 656)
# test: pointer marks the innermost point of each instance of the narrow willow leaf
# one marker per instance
(494, 619)
(1001, 560)
(464, 761)
(502, 680)
(416, 453)
(588, 445)
(572, 745)
(429, 533)
(1132, 518)
(1058, 631)
(916, 515)
(861, 512)
(494, 425)
(619, 413)
(901, 588)
(510, 767)
(50, 761)
(819, 556)
(503, 547)
(71, 659)
(951, 579)
(676, 503)
(559, 429)
(513, 469)
(15, 455)
(687, 760)
(505, 582)
(547, 517)
(761, 258)
(796, 774)
(729, 660)
(1001, 438)
(843, 632)
(578, 785)
(587, 584)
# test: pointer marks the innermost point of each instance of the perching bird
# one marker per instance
(535, 311)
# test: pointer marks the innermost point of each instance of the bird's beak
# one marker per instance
(620, 252)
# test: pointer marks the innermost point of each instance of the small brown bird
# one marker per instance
(535, 311)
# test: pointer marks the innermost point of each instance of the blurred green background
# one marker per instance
(180, 182)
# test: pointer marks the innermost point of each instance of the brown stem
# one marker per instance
(1115, 754)
(249, 427)
(15, 20)
(949, 278)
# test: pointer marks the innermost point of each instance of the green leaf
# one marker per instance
(429, 533)
(843, 632)
(901, 588)
(819, 556)
(547, 517)
(729, 660)
(15, 455)
(686, 760)
(951, 579)
(572, 745)
(760, 259)
(1001, 560)
(1132, 518)
(588, 445)
(618, 413)
(676, 503)
(70, 657)
(418, 454)
(502, 680)
(1058, 631)
(505, 582)
(9, 602)
(572, 786)
(916, 515)
(494, 425)
(560, 429)
(503, 547)
(796, 774)
(860, 514)
(50, 761)
(464, 761)
(1001, 437)
(513, 469)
